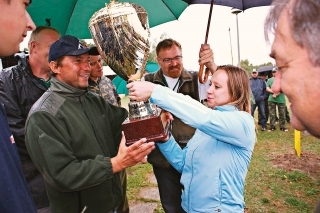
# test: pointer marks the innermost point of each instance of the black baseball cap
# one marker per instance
(94, 51)
(67, 45)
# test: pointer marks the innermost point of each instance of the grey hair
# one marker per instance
(36, 33)
(304, 19)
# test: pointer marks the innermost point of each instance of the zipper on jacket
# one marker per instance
(95, 134)
(92, 126)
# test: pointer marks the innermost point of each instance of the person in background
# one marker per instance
(15, 197)
(20, 87)
(103, 86)
(296, 50)
(173, 75)
(258, 88)
(215, 161)
(73, 137)
(276, 100)
(264, 76)
(99, 83)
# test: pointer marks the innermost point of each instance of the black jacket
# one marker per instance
(15, 196)
(258, 88)
(19, 90)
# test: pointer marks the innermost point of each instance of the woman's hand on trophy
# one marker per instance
(140, 90)
(130, 156)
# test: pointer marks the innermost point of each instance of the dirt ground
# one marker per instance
(308, 163)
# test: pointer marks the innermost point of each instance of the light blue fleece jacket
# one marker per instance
(215, 161)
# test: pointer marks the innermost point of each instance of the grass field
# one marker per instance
(268, 188)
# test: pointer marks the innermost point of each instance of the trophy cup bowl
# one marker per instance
(121, 34)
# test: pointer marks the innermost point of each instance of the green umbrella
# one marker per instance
(71, 17)
(152, 67)
(121, 85)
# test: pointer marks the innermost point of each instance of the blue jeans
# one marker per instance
(262, 111)
(170, 189)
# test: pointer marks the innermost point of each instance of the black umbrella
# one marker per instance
(239, 4)
(266, 68)
(266, 71)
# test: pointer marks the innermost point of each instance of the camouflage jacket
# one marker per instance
(106, 89)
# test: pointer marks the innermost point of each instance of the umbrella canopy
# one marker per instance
(266, 68)
(120, 85)
(152, 67)
(239, 4)
(71, 17)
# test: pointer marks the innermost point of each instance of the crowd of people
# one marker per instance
(268, 102)
(61, 143)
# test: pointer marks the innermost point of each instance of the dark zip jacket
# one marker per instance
(71, 135)
(258, 88)
(188, 85)
(19, 90)
(14, 193)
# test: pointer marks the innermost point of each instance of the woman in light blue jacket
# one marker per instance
(215, 161)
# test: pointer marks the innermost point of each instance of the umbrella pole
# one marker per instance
(204, 77)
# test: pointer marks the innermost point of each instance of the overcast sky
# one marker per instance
(190, 31)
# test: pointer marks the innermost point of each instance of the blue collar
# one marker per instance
(227, 107)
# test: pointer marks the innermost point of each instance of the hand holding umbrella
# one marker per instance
(206, 58)
(239, 4)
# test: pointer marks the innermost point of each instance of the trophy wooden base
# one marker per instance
(153, 128)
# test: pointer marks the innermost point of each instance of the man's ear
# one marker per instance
(31, 46)
(54, 67)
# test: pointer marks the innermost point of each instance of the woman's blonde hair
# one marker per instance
(239, 87)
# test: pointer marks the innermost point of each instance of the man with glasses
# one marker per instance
(295, 48)
(258, 88)
(173, 75)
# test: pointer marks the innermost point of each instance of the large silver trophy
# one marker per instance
(121, 33)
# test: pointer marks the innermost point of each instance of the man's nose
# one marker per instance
(276, 86)
(86, 66)
(30, 24)
(173, 62)
(100, 64)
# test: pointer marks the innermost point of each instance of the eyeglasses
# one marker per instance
(175, 59)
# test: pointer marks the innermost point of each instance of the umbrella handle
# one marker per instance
(203, 77)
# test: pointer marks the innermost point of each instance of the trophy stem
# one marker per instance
(142, 109)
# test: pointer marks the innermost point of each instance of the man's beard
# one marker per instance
(175, 71)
